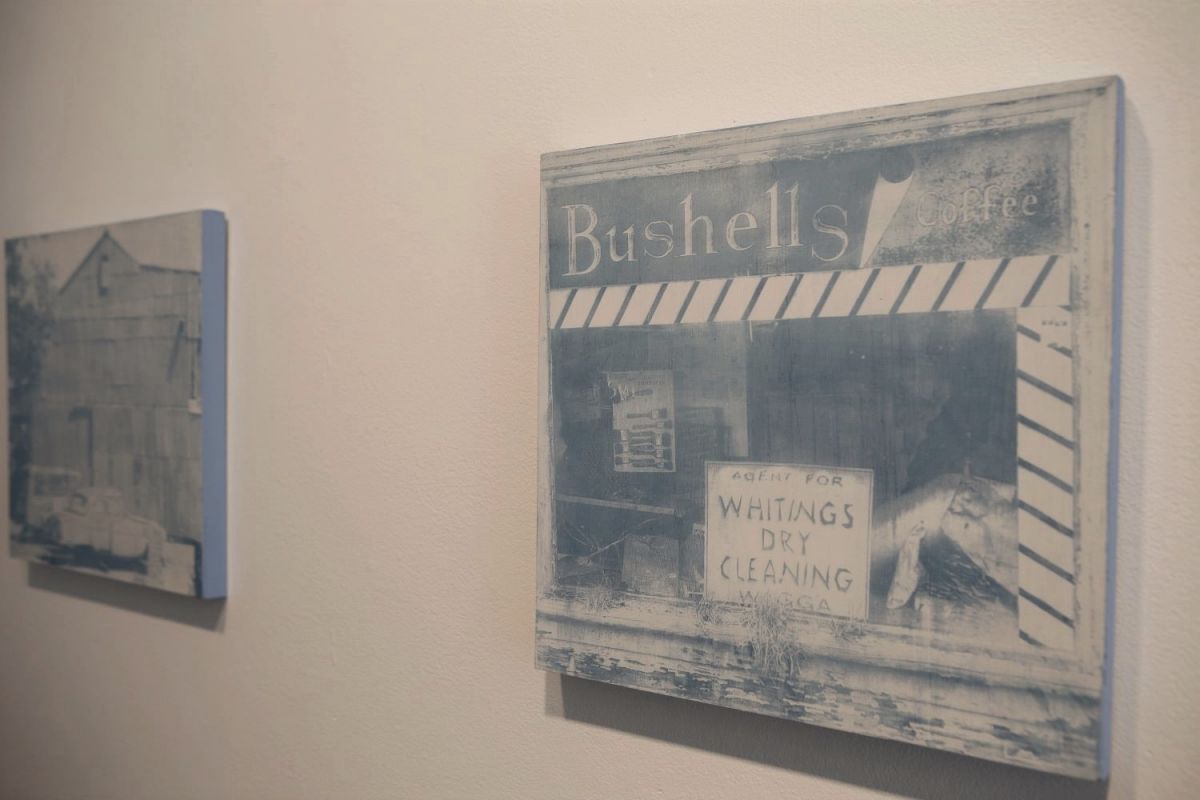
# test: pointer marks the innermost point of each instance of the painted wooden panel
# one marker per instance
(117, 363)
(922, 296)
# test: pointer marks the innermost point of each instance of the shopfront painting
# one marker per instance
(826, 420)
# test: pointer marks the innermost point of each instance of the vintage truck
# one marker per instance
(96, 518)
(48, 491)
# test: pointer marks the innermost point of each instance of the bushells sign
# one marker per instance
(801, 535)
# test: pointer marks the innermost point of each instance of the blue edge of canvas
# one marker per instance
(212, 390)
(1114, 425)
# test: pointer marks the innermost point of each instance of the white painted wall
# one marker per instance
(379, 166)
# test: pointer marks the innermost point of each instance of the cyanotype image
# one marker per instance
(827, 420)
(116, 401)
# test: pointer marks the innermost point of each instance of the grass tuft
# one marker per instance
(772, 640)
(599, 598)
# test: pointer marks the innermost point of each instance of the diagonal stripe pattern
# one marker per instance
(1045, 476)
(1024, 282)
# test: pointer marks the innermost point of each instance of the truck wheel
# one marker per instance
(154, 556)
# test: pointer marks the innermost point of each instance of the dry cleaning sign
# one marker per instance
(797, 533)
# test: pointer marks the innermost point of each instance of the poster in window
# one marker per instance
(116, 375)
(828, 413)
(643, 421)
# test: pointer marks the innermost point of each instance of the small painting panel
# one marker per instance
(116, 364)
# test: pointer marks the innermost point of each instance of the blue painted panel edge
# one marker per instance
(213, 279)
(1113, 435)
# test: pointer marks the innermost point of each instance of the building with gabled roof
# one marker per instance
(119, 392)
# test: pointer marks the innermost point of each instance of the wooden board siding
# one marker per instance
(1027, 716)
(123, 361)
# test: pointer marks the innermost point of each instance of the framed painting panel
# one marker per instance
(116, 367)
(826, 419)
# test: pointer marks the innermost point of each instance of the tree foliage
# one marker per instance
(30, 325)
(30, 321)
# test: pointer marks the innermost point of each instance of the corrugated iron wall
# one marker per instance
(119, 394)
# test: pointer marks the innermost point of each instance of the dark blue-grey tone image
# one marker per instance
(926, 402)
(116, 397)
(826, 420)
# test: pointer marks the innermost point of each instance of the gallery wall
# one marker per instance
(378, 163)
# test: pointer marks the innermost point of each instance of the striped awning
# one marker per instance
(1027, 281)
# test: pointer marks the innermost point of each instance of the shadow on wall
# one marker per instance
(206, 614)
(876, 764)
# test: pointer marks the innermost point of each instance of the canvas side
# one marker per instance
(213, 391)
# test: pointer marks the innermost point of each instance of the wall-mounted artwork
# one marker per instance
(826, 420)
(116, 375)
